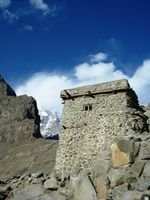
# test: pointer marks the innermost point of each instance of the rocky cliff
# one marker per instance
(19, 118)
(22, 150)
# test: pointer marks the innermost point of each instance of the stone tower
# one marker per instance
(93, 118)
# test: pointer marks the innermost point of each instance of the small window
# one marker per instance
(90, 107)
(87, 107)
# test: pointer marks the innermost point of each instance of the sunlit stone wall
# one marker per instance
(93, 118)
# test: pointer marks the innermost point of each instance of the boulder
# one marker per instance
(116, 177)
(123, 152)
(35, 192)
(132, 195)
(137, 168)
(4, 188)
(143, 184)
(101, 188)
(37, 175)
(119, 158)
(144, 151)
(146, 171)
(134, 172)
(99, 168)
(118, 191)
(51, 184)
(83, 188)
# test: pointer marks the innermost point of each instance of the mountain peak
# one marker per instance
(5, 89)
(50, 123)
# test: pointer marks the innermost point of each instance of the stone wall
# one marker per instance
(94, 117)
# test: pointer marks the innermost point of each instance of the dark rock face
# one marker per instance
(23, 156)
(5, 89)
(19, 118)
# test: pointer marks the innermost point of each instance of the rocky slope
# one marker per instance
(21, 165)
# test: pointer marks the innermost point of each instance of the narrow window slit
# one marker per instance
(87, 107)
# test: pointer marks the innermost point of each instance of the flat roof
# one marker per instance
(100, 88)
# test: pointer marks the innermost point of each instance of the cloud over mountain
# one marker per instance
(46, 87)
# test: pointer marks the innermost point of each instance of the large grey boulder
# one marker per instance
(144, 153)
(51, 184)
(34, 192)
(116, 177)
(146, 171)
(83, 188)
(19, 118)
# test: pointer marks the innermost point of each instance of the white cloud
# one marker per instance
(5, 3)
(9, 16)
(40, 5)
(98, 57)
(141, 81)
(46, 87)
(28, 28)
(98, 72)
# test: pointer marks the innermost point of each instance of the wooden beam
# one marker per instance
(90, 94)
(68, 95)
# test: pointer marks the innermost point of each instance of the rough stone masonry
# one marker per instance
(94, 117)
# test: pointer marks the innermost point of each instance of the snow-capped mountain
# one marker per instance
(50, 123)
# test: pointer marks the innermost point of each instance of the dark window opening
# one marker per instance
(90, 107)
(87, 107)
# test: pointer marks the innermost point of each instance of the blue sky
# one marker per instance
(55, 38)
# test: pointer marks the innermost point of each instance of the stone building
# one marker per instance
(94, 117)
